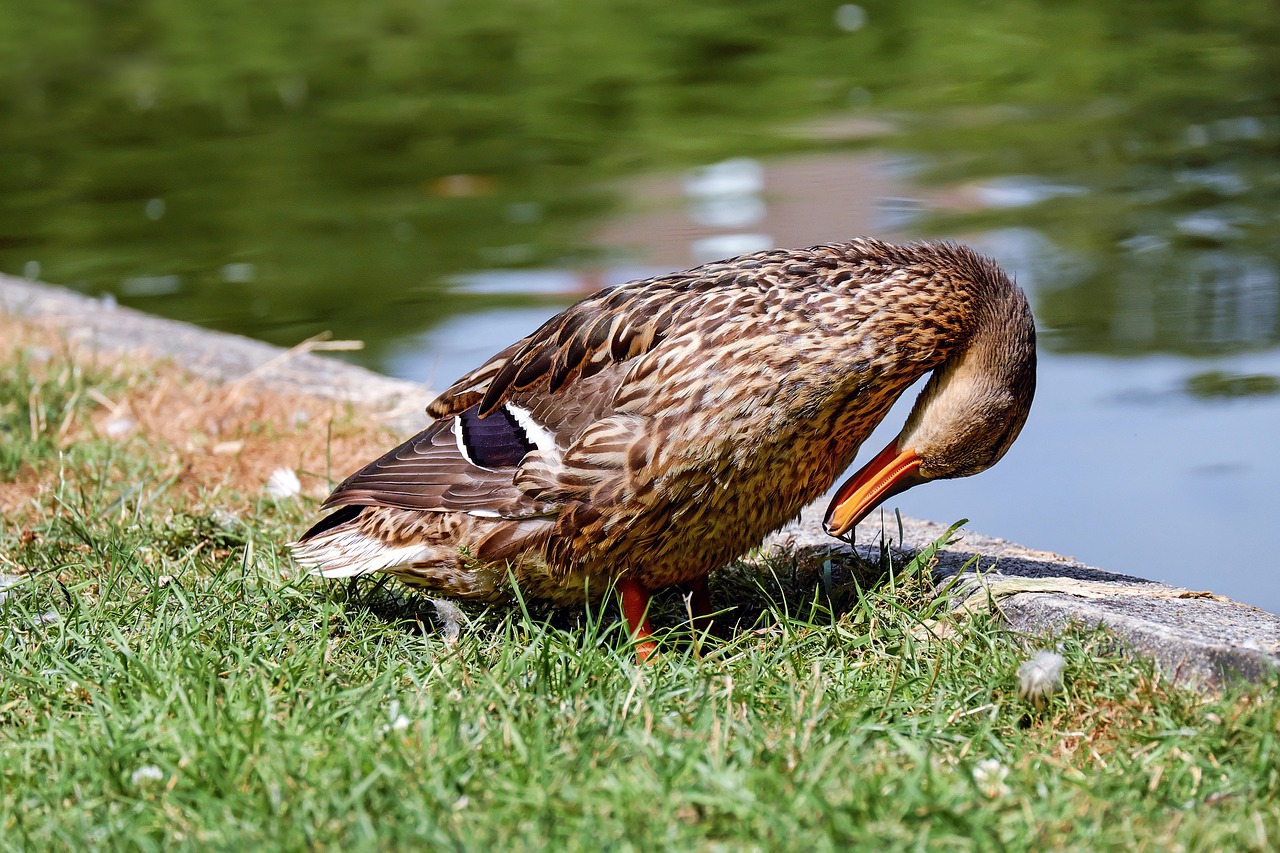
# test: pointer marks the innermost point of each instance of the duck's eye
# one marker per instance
(496, 441)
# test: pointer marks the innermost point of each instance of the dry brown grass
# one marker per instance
(219, 441)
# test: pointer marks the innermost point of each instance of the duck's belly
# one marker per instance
(709, 507)
(686, 527)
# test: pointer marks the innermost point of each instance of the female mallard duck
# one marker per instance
(658, 429)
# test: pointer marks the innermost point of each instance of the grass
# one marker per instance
(169, 680)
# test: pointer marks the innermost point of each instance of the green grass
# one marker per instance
(37, 401)
(169, 680)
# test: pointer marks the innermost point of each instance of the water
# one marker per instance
(437, 179)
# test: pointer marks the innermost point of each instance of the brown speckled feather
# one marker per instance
(664, 426)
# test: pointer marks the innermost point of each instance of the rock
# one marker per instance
(1196, 637)
(215, 356)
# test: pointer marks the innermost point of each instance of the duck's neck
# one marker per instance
(976, 386)
(921, 308)
(906, 310)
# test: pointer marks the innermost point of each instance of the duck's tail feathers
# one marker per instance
(336, 548)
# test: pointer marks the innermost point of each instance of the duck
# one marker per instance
(657, 430)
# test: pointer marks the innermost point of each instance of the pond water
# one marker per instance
(436, 179)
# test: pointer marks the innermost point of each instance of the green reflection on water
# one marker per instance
(280, 169)
(1215, 384)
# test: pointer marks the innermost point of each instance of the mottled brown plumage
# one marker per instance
(656, 430)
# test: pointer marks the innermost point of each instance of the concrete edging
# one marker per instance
(1196, 637)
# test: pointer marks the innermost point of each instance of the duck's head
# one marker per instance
(963, 422)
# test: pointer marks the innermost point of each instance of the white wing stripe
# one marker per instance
(536, 433)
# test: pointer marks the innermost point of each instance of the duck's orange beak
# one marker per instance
(892, 472)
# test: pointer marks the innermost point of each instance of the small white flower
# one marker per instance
(283, 484)
(146, 776)
(119, 426)
(990, 775)
(7, 581)
(225, 519)
(399, 722)
(1041, 677)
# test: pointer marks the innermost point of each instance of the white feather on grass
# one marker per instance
(1041, 677)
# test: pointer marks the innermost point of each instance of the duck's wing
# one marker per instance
(461, 463)
(607, 328)
(530, 405)
(621, 323)
(553, 409)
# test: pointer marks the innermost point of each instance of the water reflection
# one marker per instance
(1021, 191)
(1159, 298)
(394, 152)
(1219, 384)
(742, 205)
(445, 352)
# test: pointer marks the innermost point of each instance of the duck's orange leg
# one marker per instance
(635, 609)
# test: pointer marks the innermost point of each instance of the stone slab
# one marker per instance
(1196, 637)
(106, 327)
